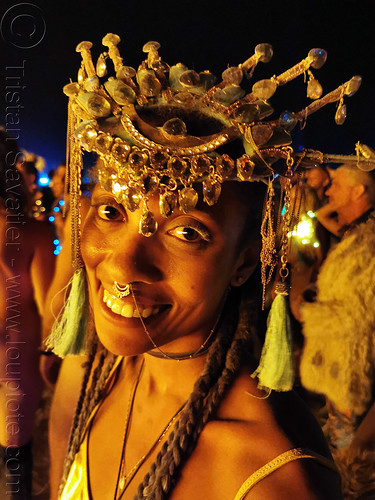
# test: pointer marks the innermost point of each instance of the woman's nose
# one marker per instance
(136, 258)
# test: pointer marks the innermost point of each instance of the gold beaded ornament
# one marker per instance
(138, 122)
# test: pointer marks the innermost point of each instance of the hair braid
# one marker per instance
(88, 399)
(164, 471)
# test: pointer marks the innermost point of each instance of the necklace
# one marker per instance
(159, 353)
(123, 478)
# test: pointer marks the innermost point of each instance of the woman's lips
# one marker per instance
(129, 310)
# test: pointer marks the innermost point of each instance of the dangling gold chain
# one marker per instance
(268, 253)
(284, 271)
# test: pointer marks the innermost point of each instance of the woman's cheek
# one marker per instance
(93, 243)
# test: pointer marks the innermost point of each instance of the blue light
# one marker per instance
(51, 218)
(59, 247)
(43, 181)
(56, 209)
(56, 252)
(61, 203)
(56, 242)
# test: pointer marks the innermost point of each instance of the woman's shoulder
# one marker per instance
(252, 429)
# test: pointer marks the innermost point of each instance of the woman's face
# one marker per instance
(180, 275)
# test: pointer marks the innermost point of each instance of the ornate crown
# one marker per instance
(146, 125)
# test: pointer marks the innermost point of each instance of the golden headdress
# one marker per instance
(143, 124)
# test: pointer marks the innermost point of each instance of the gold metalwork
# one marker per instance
(130, 120)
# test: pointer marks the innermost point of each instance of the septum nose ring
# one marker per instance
(121, 291)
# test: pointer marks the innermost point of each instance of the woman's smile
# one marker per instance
(127, 310)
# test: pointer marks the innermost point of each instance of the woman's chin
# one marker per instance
(117, 344)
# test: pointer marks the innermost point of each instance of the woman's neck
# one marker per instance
(171, 377)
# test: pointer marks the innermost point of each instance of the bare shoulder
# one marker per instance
(63, 407)
(67, 390)
(250, 432)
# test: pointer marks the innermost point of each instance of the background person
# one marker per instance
(339, 358)
(26, 268)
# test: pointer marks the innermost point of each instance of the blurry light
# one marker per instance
(56, 252)
(304, 242)
(61, 203)
(38, 202)
(43, 181)
(56, 241)
(59, 248)
(51, 218)
(304, 229)
(56, 209)
(316, 244)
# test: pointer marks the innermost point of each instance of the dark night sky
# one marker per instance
(202, 35)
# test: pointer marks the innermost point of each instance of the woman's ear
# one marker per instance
(245, 264)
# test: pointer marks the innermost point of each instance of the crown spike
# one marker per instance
(151, 49)
(348, 88)
(316, 58)
(264, 89)
(111, 41)
(263, 53)
(84, 49)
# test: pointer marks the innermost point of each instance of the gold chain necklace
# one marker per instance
(123, 478)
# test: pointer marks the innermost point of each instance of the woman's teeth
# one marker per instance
(127, 310)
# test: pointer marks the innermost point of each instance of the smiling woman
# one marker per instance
(168, 254)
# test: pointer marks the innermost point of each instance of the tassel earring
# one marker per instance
(69, 332)
(275, 370)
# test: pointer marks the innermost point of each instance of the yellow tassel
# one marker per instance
(275, 370)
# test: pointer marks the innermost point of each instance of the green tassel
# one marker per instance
(275, 370)
(69, 331)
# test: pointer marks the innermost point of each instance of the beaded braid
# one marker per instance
(239, 354)
(88, 399)
(163, 473)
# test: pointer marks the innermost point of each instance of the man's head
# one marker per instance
(352, 192)
(318, 179)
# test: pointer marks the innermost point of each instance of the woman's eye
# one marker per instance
(191, 234)
(108, 212)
